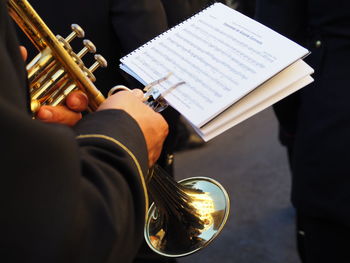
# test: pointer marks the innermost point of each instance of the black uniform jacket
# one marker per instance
(178, 10)
(318, 117)
(66, 196)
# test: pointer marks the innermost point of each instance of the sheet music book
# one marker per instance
(230, 66)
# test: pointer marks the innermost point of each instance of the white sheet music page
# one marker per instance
(220, 54)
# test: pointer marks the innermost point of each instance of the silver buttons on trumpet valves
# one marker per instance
(88, 47)
(64, 43)
(77, 31)
(100, 62)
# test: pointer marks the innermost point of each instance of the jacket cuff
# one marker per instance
(119, 125)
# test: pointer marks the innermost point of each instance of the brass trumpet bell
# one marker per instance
(185, 216)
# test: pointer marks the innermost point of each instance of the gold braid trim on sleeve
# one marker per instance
(126, 149)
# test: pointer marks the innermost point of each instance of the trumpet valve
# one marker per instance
(64, 43)
(88, 47)
(89, 74)
(100, 62)
(77, 31)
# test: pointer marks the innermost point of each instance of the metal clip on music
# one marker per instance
(153, 97)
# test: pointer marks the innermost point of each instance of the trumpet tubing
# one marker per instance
(56, 67)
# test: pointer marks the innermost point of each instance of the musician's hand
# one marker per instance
(69, 114)
(154, 127)
(24, 52)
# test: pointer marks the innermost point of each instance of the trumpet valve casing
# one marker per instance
(57, 70)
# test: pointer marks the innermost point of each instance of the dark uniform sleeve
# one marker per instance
(66, 196)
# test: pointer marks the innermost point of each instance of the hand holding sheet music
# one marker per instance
(232, 67)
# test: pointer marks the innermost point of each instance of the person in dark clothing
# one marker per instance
(71, 194)
(246, 7)
(116, 28)
(315, 124)
(178, 10)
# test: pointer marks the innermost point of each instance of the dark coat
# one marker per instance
(66, 195)
(316, 120)
(178, 10)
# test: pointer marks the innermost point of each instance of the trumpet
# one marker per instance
(186, 215)
(56, 70)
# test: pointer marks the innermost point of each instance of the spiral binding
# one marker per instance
(182, 23)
